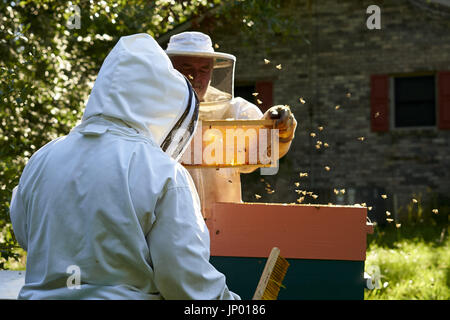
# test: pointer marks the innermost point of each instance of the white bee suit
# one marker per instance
(215, 185)
(107, 199)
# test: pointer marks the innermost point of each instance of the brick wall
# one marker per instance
(334, 68)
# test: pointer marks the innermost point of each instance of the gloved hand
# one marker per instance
(285, 121)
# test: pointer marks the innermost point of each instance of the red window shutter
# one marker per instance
(379, 101)
(265, 94)
(444, 99)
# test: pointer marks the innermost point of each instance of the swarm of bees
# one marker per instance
(336, 191)
(304, 193)
(268, 188)
(303, 174)
(319, 145)
(278, 66)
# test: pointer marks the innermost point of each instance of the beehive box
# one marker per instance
(325, 246)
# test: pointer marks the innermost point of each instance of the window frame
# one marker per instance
(392, 105)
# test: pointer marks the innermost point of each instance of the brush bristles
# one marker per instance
(276, 279)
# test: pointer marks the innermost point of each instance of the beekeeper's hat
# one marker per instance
(195, 44)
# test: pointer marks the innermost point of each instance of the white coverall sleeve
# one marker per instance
(245, 110)
(179, 249)
(18, 218)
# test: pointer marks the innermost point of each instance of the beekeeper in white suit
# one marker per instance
(212, 76)
(107, 212)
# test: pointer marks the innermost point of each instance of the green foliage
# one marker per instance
(8, 251)
(267, 18)
(262, 23)
(47, 71)
(47, 67)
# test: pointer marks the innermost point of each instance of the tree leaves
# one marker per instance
(47, 70)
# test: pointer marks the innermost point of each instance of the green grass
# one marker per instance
(413, 262)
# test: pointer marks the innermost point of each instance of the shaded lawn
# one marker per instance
(413, 262)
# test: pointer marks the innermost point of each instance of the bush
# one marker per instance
(47, 68)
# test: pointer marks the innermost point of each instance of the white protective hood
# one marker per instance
(138, 85)
(105, 212)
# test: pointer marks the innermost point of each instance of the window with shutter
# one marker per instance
(414, 101)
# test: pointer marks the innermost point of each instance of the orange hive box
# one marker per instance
(299, 231)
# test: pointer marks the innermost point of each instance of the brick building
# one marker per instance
(379, 99)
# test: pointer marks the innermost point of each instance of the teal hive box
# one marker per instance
(325, 246)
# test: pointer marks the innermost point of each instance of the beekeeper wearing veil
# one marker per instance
(107, 212)
(212, 76)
